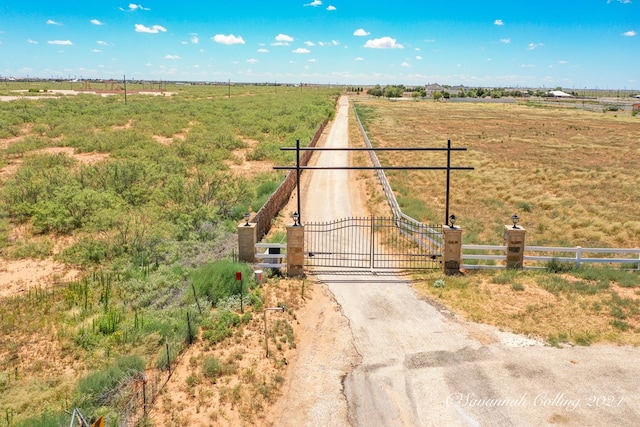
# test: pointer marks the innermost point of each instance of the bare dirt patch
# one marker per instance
(84, 158)
(18, 276)
(243, 167)
(24, 132)
(180, 136)
(127, 125)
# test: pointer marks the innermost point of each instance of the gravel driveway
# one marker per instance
(373, 353)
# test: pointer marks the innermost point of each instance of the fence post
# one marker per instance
(452, 251)
(144, 394)
(247, 239)
(514, 240)
(166, 342)
(295, 250)
(578, 256)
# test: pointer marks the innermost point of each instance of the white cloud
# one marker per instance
(331, 8)
(171, 57)
(312, 60)
(263, 50)
(96, 22)
(629, 33)
(228, 40)
(314, 3)
(301, 50)
(150, 30)
(418, 57)
(252, 61)
(60, 42)
(405, 64)
(361, 32)
(563, 62)
(32, 41)
(331, 43)
(309, 43)
(505, 41)
(498, 22)
(52, 22)
(103, 43)
(533, 46)
(195, 39)
(383, 43)
(133, 7)
(359, 58)
(284, 38)
(96, 51)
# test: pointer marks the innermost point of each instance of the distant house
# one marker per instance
(636, 96)
(434, 87)
(558, 94)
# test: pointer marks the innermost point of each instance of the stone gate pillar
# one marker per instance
(514, 240)
(452, 250)
(295, 250)
(247, 239)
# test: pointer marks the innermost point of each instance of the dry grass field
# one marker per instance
(572, 177)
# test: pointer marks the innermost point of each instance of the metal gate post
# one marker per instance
(372, 256)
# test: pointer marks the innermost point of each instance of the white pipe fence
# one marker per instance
(540, 255)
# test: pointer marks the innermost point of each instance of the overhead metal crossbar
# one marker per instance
(447, 168)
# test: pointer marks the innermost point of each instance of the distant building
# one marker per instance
(558, 94)
(434, 87)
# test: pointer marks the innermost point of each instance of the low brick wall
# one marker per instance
(281, 196)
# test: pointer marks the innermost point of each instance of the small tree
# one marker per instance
(437, 95)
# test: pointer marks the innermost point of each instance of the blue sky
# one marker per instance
(568, 43)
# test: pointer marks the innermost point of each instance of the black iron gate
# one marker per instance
(373, 243)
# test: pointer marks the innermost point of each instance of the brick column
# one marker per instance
(295, 250)
(514, 240)
(247, 240)
(452, 250)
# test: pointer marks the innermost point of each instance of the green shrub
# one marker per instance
(32, 249)
(46, 419)
(95, 389)
(86, 252)
(217, 280)
(213, 368)
(556, 266)
(220, 326)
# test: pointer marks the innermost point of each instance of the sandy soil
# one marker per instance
(18, 276)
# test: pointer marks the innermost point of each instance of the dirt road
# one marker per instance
(372, 353)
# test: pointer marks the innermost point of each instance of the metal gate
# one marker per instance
(373, 243)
